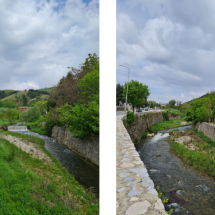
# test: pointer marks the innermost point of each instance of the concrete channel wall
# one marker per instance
(207, 128)
(135, 192)
(87, 148)
(142, 122)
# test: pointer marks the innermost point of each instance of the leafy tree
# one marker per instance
(42, 106)
(89, 85)
(172, 103)
(152, 104)
(199, 111)
(83, 118)
(119, 94)
(23, 116)
(33, 114)
(25, 100)
(67, 90)
(136, 93)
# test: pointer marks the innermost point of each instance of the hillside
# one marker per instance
(5, 93)
(19, 94)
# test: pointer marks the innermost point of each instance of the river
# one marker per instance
(194, 187)
(83, 171)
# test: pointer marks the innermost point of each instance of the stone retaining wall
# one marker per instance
(135, 193)
(87, 148)
(142, 122)
(207, 128)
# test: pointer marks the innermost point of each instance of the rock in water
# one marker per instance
(177, 197)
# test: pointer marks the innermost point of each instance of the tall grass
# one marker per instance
(199, 160)
(30, 186)
(204, 137)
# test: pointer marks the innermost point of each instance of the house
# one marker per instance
(23, 108)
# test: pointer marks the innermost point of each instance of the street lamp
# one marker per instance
(127, 85)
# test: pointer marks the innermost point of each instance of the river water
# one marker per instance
(195, 188)
(84, 172)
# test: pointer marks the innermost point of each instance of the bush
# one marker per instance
(82, 120)
(165, 115)
(48, 127)
(130, 117)
(32, 114)
(23, 116)
(144, 135)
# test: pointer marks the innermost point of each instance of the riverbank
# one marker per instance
(135, 193)
(164, 125)
(195, 149)
(170, 173)
(47, 187)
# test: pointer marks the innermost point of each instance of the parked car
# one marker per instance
(146, 109)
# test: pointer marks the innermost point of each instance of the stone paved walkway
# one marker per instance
(135, 193)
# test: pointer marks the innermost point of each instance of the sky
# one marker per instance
(168, 45)
(40, 38)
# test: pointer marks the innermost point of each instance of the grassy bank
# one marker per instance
(7, 122)
(36, 126)
(174, 123)
(32, 186)
(202, 157)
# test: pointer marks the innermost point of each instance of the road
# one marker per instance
(123, 112)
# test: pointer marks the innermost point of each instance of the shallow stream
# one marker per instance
(195, 188)
(84, 172)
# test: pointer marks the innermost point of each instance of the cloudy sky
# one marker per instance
(40, 38)
(168, 45)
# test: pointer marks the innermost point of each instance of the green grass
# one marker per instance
(7, 122)
(30, 186)
(36, 127)
(204, 137)
(167, 125)
(202, 161)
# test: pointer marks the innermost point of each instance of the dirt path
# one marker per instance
(28, 147)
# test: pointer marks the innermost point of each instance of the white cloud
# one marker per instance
(182, 95)
(38, 40)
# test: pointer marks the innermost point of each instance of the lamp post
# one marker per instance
(127, 85)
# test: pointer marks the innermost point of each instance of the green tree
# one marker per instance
(39, 98)
(23, 116)
(119, 94)
(136, 93)
(199, 111)
(172, 103)
(42, 106)
(24, 100)
(33, 114)
(83, 118)
(152, 104)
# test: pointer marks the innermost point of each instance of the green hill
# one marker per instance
(6, 94)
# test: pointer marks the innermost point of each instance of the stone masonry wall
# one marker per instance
(207, 128)
(87, 148)
(142, 122)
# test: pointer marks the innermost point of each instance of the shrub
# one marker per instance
(48, 127)
(165, 115)
(130, 117)
(23, 116)
(144, 134)
(33, 114)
